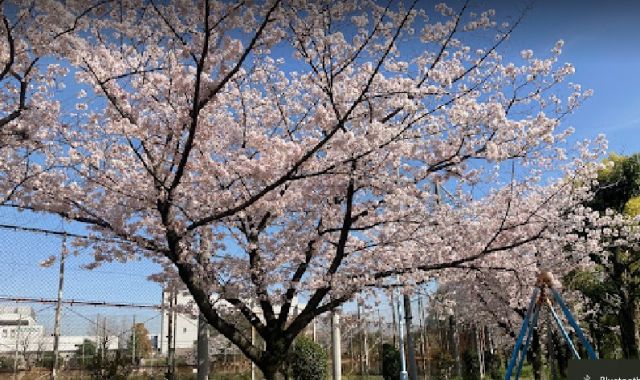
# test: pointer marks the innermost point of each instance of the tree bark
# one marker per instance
(628, 329)
(455, 341)
(536, 353)
(627, 312)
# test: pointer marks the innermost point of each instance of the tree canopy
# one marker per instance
(288, 149)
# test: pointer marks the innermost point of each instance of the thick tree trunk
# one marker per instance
(272, 371)
(627, 312)
(454, 344)
(628, 329)
(562, 354)
(596, 336)
(274, 358)
(536, 350)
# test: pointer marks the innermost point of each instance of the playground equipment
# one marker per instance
(544, 293)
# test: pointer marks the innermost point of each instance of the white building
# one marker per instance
(185, 326)
(20, 331)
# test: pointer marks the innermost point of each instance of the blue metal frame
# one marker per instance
(590, 351)
(523, 331)
(532, 327)
(529, 324)
(564, 332)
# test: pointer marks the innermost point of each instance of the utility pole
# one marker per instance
(393, 317)
(422, 335)
(56, 327)
(15, 358)
(162, 311)
(335, 345)
(203, 348)
(480, 347)
(365, 346)
(105, 339)
(133, 341)
(411, 350)
(381, 334)
(170, 348)
(175, 332)
(403, 363)
(362, 338)
(82, 367)
(95, 354)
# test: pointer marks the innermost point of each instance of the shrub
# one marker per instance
(470, 365)
(390, 362)
(6, 363)
(493, 363)
(308, 360)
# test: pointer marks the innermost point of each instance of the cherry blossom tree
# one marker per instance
(29, 81)
(288, 150)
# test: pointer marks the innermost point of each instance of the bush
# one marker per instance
(6, 363)
(390, 362)
(444, 364)
(308, 360)
(46, 360)
(493, 363)
(470, 365)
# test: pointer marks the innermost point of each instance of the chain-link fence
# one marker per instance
(116, 323)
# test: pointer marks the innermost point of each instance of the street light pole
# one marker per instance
(403, 364)
(335, 344)
(411, 350)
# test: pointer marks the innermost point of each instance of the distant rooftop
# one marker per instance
(26, 311)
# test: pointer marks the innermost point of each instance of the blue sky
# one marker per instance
(601, 40)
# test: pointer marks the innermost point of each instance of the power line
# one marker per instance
(79, 302)
(45, 231)
(35, 266)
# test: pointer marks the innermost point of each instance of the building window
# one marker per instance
(184, 330)
(12, 333)
(4, 333)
